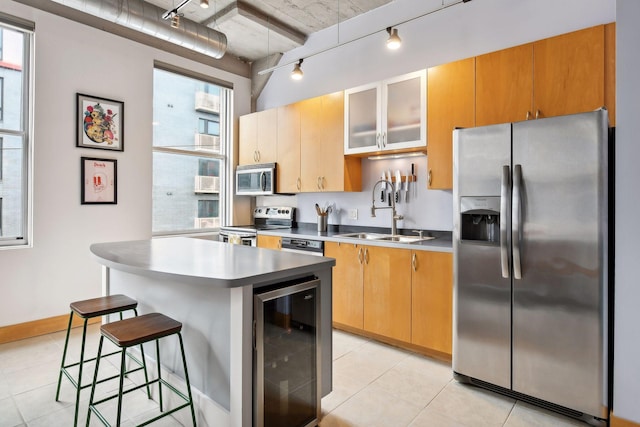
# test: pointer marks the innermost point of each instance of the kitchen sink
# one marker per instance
(406, 239)
(368, 236)
(386, 237)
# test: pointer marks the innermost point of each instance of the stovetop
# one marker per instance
(265, 218)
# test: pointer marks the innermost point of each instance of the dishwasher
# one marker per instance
(303, 246)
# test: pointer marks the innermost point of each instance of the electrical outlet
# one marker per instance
(353, 213)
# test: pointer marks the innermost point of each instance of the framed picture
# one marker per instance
(99, 181)
(100, 123)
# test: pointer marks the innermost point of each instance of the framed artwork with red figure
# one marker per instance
(99, 181)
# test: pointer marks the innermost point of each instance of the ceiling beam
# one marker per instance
(259, 17)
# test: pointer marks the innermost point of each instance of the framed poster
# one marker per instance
(99, 181)
(100, 123)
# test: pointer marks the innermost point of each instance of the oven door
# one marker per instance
(256, 180)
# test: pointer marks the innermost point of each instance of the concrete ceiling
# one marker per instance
(257, 29)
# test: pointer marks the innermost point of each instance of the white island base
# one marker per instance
(209, 287)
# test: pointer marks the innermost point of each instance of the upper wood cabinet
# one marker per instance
(347, 283)
(323, 166)
(451, 103)
(551, 77)
(388, 115)
(258, 136)
(288, 178)
(610, 71)
(432, 300)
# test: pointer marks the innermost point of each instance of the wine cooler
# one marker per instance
(287, 354)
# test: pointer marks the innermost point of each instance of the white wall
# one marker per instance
(627, 316)
(41, 281)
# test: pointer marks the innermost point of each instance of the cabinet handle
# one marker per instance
(429, 178)
(360, 255)
(537, 114)
(414, 262)
(378, 140)
(366, 255)
(322, 182)
(528, 115)
(279, 243)
(318, 183)
(298, 184)
(384, 139)
(258, 153)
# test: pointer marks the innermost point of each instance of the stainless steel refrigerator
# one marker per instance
(530, 261)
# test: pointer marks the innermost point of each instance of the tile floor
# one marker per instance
(374, 385)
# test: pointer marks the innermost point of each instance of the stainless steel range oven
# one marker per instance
(264, 218)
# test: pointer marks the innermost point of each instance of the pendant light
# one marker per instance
(296, 73)
(204, 4)
(394, 41)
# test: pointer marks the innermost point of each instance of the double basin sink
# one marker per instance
(386, 237)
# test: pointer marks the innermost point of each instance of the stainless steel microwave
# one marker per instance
(256, 180)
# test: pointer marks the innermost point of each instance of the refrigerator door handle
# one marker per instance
(516, 221)
(504, 200)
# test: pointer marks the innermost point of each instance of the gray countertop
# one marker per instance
(441, 243)
(206, 262)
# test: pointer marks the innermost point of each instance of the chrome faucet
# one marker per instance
(394, 216)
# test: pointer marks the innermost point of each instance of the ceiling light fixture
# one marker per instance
(175, 21)
(204, 4)
(268, 70)
(296, 73)
(394, 41)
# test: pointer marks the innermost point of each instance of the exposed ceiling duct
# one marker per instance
(147, 18)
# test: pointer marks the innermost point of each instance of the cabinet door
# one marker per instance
(311, 144)
(610, 71)
(248, 139)
(269, 242)
(347, 283)
(450, 102)
(267, 136)
(569, 73)
(288, 149)
(432, 300)
(404, 111)
(504, 86)
(362, 119)
(387, 292)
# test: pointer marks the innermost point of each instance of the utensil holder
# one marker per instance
(322, 223)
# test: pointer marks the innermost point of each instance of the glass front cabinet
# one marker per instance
(388, 115)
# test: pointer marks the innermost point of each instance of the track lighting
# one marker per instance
(204, 4)
(175, 21)
(394, 41)
(296, 73)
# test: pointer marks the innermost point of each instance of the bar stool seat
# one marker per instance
(137, 331)
(88, 309)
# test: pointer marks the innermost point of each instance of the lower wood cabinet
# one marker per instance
(432, 300)
(399, 294)
(387, 292)
(347, 283)
(269, 242)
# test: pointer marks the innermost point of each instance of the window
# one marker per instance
(16, 42)
(190, 146)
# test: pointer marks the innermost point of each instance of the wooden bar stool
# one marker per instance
(88, 309)
(137, 331)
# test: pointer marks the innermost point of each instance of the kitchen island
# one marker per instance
(209, 287)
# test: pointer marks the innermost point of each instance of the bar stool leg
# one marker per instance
(79, 387)
(186, 377)
(64, 355)
(144, 363)
(121, 387)
(159, 374)
(95, 380)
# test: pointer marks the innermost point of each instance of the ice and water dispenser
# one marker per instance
(480, 219)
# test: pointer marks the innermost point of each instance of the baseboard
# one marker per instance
(36, 328)
(621, 422)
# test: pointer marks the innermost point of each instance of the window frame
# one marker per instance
(224, 156)
(27, 29)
